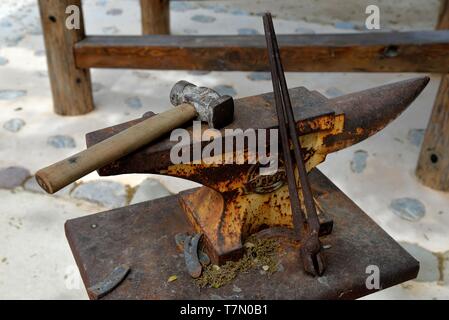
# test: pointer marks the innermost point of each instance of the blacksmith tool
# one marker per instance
(194, 256)
(237, 201)
(191, 102)
(306, 226)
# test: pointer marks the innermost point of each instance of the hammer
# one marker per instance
(190, 102)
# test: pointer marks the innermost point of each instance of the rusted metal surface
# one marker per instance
(242, 202)
(142, 236)
(101, 289)
(298, 218)
(369, 111)
(305, 224)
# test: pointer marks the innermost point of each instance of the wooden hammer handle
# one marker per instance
(62, 173)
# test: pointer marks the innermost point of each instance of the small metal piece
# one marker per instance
(104, 287)
(193, 264)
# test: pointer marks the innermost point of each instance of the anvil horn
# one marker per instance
(369, 111)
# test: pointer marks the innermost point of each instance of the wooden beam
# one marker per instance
(424, 51)
(71, 86)
(433, 163)
(155, 16)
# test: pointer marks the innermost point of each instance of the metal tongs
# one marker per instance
(305, 226)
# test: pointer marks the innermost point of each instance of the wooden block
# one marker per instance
(433, 163)
(155, 16)
(424, 51)
(71, 86)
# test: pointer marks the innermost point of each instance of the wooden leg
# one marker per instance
(155, 16)
(433, 163)
(443, 19)
(71, 87)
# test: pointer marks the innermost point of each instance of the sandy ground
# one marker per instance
(35, 261)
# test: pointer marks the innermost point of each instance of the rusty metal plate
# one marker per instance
(143, 237)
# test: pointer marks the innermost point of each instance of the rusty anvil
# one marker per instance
(236, 202)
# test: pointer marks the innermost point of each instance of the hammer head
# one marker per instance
(216, 110)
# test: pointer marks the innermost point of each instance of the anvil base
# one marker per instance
(143, 236)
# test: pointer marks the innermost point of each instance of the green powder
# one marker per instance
(259, 253)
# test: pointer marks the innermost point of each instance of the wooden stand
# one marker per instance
(155, 16)
(433, 164)
(71, 86)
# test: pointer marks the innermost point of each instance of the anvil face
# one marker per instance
(239, 202)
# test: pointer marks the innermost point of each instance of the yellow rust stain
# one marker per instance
(227, 214)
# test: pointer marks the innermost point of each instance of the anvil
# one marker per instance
(236, 201)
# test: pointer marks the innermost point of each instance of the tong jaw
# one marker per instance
(311, 254)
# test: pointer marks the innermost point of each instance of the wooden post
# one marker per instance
(433, 163)
(71, 87)
(155, 16)
(443, 19)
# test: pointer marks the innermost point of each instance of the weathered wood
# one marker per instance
(71, 86)
(424, 51)
(155, 16)
(433, 163)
